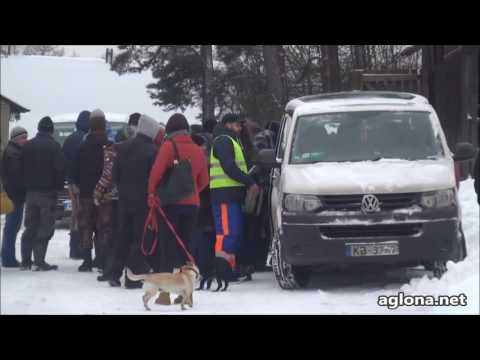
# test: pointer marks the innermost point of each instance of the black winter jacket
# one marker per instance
(43, 164)
(70, 149)
(88, 164)
(223, 150)
(12, 176)
(131, 170)
(72, 143)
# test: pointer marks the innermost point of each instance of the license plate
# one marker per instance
(67, 205)
(373, 249)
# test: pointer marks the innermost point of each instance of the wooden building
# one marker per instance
(9, 111)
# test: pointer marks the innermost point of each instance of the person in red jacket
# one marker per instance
(183, 214)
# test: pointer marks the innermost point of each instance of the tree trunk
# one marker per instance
(333, 68)
(271, 57)
(323, 68)
(208, 102)
(359, 57)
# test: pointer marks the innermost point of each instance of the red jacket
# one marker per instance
(186, 149)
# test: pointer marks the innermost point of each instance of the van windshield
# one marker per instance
(365, 135)
(65, 129)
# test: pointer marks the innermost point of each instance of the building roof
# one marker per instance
(16, 108)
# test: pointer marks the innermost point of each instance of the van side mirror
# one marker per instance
(464, 151)
(266, 159)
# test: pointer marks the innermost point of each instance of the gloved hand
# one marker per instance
(254, 189)
(153, 201)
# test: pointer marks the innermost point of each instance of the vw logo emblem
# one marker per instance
(370, 204)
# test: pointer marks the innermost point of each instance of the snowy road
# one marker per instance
(70, 292)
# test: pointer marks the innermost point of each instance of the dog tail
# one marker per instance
(134, 277)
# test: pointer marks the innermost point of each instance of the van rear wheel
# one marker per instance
(289, 277)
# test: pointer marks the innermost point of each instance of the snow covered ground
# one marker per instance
(69, 292)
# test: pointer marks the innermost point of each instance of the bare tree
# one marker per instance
(333, 68)
(272, 57)
(208, 102)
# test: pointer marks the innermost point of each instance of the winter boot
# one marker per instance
(45, 267)
(163, 299)
(26, 266)
(114, 283)
(87, 261)
(10, 264)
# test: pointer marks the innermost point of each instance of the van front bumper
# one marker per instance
(310, 241)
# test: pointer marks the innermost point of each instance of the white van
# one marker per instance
(362, 178)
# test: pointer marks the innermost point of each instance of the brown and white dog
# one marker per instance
(180, 283)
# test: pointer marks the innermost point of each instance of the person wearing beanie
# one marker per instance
(93, 221)
(70, 149)
(134, 159)
(97, 121)
(12, 179)
(45, 125)
(229, 182)
(43, 168)
(209, 125)
(177, 122)
(183, 214)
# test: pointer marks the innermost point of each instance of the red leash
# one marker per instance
(152, 224)
(179, 241)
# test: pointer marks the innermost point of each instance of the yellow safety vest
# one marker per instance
(218, 178)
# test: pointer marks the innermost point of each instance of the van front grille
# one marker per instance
(354, 202)
(360, 231)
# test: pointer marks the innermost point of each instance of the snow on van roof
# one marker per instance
(354, 98)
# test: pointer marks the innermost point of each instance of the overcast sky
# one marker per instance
(87, 50)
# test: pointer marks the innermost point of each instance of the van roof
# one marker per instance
(351, 98)
(72, 117)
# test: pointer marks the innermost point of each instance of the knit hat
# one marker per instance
(97, 120)
(230, 118)
(45, 125)
(133, 119)
(210, 125)
(83, 121)
(148, 127)
(17, 131)
(177, 122)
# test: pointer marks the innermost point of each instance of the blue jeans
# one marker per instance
(13, 222)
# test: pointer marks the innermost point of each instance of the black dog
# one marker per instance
(221, 271)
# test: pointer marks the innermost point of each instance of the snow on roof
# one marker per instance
(16, 107)
(53, 85)
(356, 101)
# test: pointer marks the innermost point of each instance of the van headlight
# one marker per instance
(302, 203)
(438, 199)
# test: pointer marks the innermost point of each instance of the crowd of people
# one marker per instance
(113, 186)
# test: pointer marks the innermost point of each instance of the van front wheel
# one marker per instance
(289, 277)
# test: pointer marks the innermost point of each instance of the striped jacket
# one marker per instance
(105, 190)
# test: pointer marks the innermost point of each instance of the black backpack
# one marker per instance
(177, 183)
